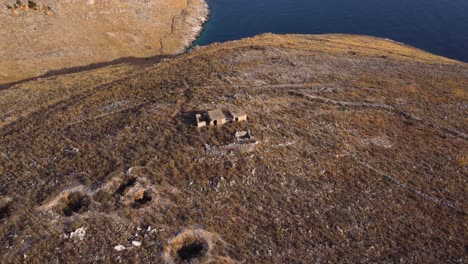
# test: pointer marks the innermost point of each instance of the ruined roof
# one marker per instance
(237, 113)
(216, 114)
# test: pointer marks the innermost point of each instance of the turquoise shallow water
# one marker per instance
(438, 26)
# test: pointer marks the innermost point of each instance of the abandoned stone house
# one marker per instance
(217, 117)
(238, 115)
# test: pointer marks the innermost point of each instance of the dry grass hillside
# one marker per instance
(358, 153)
(49, 35)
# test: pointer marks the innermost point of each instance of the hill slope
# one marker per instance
(359, 153)
(53, 35)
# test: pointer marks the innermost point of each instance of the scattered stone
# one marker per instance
(78, 234)
(72, 150)
(240, 134)
(243, 135)
(136, 243)
(228, 149)
(119, 247)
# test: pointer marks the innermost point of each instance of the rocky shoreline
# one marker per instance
(198, 22)
(185, 28)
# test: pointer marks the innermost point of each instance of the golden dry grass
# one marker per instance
(80, 33)
(360, 155)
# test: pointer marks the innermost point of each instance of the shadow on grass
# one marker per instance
(189, 118)
(93, 66)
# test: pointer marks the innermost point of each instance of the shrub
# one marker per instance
(32, 4)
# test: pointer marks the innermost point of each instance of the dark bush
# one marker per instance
(32, 4)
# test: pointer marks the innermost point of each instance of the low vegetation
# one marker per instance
(30, 5)
(358, 153)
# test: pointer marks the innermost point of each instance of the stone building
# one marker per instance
(238, 115)
(217, 117)
(200, 122)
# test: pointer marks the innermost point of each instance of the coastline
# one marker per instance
(186, 27)
(198, 25)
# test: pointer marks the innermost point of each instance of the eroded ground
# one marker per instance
(358, 154)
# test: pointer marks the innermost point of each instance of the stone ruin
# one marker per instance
(217, 117)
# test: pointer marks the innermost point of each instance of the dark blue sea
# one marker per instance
(438, 26)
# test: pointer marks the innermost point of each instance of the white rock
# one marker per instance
(136, 243)
(78, 234)
(119, 247)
